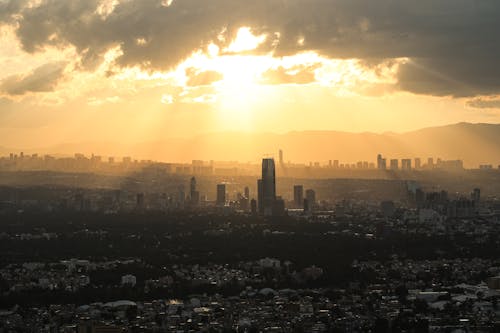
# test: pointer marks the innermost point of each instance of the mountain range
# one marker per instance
(473, 143)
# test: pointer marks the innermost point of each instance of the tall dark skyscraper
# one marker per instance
(194, 195)
(268, 185)
(298, 196)
(221, 194)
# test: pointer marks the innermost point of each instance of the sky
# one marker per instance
(141, 70)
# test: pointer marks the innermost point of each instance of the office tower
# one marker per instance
(406, 164)
(253, 207)
(381, 162)
(394, 164)
(311, 200)
(247, 192)
(221, 194)
(282, 162)
(418, 163)
(260, 197)
(194, 195)
(278, 208)
(298, 195)
(336, 164)
(268, 185)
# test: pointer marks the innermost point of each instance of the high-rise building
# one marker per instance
(406, 164)
(394, 164)
(247, 192)
(221, 194)
(253, 207)
(311, 200)
(268, 185)
(418, 163)
(298, 195)
(282, 162)
(194, 196)
(381, 162)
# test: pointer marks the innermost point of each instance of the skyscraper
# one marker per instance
(298, 195)
(221, 194)
(194, 195)
(268, 185)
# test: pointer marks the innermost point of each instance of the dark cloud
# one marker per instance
(203, 78)
(8, 8)
(484, 103)
(454, 45)
(294, 75)
(43, 78)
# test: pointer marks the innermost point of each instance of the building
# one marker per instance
(194, 195)
(310, 201)
(221, 194)
(268, 185)
(298, 195)
(253, 207)
(406, 164)
(394, 164)
(381, 162)
(129, 280)
(418, 163)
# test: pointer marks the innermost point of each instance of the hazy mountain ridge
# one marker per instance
(474, 143)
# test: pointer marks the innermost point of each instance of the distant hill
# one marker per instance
(473, 143)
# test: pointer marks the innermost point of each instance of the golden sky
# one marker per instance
(140, 70)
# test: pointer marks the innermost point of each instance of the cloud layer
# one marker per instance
(453, 46)
(41, 79)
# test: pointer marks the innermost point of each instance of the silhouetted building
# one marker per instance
(247, 192)
(253, 207)
(311, 200)
(394, 164)
(268, 185)
(221, 194)
(381, 162)
(406, 164)
(418, 163)
(298, 195)
(278, 208)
